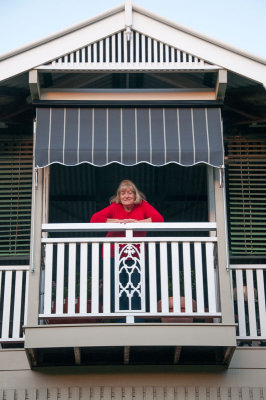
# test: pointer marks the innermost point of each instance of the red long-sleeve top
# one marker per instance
(117, 211)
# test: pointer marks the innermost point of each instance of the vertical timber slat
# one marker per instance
(60, 278)
(95, 278)
(199, 277)
(251, 303)
(71, 278)
(175, 277)
(240, 304)
(17, 305)
(83, 277)
(48, 273)
(261, 302)
(106, 278)
(7, 304)
(164, 277)
(187, 277)
(211, 277)
(152, 275)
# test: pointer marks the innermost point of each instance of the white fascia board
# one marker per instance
(209, 50)
(191, 32)
(71, 40)
(63, 32)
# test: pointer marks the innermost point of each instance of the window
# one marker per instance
(178, 193)
(15, 197)
(246, 191)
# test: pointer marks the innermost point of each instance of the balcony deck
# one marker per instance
(82, 321)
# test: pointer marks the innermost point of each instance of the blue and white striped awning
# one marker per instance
(129, 135)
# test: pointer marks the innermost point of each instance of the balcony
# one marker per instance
(248, 283)
(147, 271)
(146, 299)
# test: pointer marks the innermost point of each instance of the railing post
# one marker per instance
(35, 267)
(224, 275)
(211, 198)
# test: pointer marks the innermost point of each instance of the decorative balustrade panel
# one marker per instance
(248, 283)
(148, 277)
(129, 277)
(13, 302)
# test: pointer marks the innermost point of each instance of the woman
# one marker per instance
(128, 205)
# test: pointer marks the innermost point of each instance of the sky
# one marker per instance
(238, 23)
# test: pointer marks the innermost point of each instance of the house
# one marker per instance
(130, 94)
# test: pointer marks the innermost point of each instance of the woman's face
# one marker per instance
(127, 197)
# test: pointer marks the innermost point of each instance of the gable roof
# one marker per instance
(143, 21)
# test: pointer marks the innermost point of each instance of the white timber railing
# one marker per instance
(248, 282)
(117, 279)
(13, 302)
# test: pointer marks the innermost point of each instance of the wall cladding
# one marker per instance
(136, 393)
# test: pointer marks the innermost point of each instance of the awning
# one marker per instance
(100, 136)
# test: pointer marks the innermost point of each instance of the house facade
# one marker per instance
(129, 94)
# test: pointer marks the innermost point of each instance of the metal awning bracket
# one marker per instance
(221, 176)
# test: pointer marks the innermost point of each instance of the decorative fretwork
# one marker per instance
(141, 52)
(129, 277)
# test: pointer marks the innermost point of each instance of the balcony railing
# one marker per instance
(13, 302)
(78, 274)
(132, 279)
(249, 302)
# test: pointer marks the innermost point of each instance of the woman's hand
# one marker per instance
(126, 221)
(114, 220)
(121, 221)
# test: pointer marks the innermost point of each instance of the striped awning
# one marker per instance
(100, 136)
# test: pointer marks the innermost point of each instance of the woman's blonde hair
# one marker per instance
(125, 184)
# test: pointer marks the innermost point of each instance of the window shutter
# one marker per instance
(15, 197)
(246, 191)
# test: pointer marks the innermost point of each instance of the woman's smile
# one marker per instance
(127, 198)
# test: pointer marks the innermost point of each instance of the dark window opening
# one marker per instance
(178, 193)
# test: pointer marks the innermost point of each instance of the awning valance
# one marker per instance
(131, 135)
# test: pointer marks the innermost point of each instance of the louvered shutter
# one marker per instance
(15, 197)
(246, 190)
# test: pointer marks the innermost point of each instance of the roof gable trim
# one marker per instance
(143, 22)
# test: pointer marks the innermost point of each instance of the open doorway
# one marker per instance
(178, 193)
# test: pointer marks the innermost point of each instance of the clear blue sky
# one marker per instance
(239, 23)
